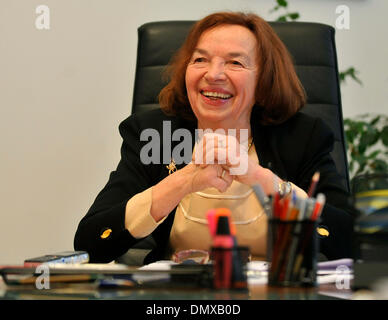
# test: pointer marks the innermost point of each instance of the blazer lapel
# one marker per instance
(264, 138)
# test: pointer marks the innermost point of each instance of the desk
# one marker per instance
(89, 291)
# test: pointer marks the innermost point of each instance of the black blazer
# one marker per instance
(294, 151)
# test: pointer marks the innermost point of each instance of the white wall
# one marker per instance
(64, 91)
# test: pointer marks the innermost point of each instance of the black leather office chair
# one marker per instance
(312, 46)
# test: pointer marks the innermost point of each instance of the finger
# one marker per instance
(214, 143)
(198, 156)
(229, 154)
(223, 157)
(219, 170)
(217, 149)
(210, 147)
(227, 176)
(221, 185)
(216, 155)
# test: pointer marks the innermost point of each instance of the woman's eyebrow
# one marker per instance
(230, 54)
(239, 55)
(200, 51)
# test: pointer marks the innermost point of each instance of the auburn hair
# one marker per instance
(279, 93)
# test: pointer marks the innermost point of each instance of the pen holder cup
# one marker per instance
(292, 252)
(230, 266)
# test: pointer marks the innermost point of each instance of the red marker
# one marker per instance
(222, 245)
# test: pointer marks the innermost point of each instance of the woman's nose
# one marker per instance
(215, 72)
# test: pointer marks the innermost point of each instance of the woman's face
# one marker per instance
(221, 77)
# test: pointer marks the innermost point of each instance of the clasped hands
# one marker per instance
(219, 159)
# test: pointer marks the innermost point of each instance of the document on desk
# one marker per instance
(257, 272)
(164, 265)
(331, 271)
(335, 271)
(89, 266)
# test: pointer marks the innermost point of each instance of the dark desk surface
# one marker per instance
(89, 291)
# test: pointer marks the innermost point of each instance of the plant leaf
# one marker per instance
(375, 120)
(282, 18)
(350, 72)
(384, 135)
(380, 165)
(374, 154)
(370, 136)
(274, 9)
(282, 3)
(294, 15)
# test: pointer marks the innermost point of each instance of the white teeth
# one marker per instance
(216, 94)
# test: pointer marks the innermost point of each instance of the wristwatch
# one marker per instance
(285, 188)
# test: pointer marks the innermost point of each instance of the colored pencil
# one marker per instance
(314, 182)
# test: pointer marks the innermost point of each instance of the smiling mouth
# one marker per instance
(216, 95)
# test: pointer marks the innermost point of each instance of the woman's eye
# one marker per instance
(199, 59)
(236, 63)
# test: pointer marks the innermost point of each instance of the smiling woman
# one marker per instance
(234, 80)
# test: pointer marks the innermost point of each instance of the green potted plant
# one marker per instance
(367, 144)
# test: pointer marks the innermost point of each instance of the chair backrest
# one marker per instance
(312, 46)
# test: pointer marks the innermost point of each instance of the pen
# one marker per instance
(321, 199)
(264, 200)
(306, 239)
(313, 185)
(301, 205)
(287, 242)
(276, 205)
